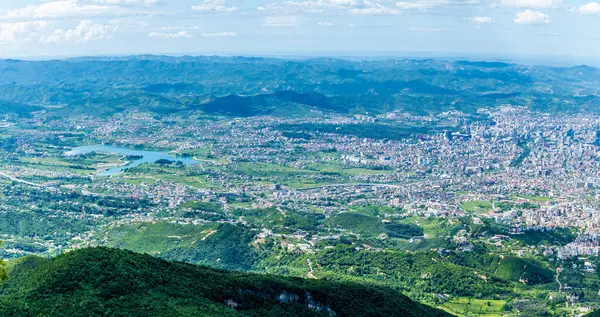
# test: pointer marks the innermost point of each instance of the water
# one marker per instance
(147, 156)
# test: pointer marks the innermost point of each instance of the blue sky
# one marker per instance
(47, 28)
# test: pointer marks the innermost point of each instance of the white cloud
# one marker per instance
(309, 6)
(280, 21)
(220, 34)
(80, 9)
(85, 31)
(58, 9)
(532, 4)
(214, 6)
(325, 24)
(357, 7)
(481, 20)
(426, 4)
(20, 31)
(129, 2)
(454, 2)
(166, 36)
(344, 2)
(529, 17)
(378, 9)
(590, 8)
(413, 5)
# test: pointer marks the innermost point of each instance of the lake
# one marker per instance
(147, 156)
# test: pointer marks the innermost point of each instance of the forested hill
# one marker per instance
(111, 282)
(238, 86)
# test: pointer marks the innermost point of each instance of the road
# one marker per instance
(351, 185)
(557, 281)
(310, 272)
(12, 178)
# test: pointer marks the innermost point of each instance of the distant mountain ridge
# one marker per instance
(248, 86)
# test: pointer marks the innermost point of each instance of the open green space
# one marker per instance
(534, 198)
(477, 206)
(464, 306)
(340, 169)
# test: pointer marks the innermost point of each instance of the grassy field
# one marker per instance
(303, 183)
(339, 169)
(58, 167)
(435, 227)
(136, 180)
(374, 210)
(150, 173)
(533, 198)
(268, 169)
(480, 307)
(83, 166)
(194, 181)
(46, 161)
(477, 206)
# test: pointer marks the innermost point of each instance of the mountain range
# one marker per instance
(240, 86)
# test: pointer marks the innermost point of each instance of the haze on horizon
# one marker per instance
(500, 29)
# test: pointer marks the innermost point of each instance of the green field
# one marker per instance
(374, 210)
(463, 306)
(434, 227)
(339, 169)
(304, 183)
(269, 169)
(534, 198)
(477, 206)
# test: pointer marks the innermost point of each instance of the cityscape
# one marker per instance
(515, 174)
(452, 187)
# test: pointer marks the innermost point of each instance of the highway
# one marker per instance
(12, 178)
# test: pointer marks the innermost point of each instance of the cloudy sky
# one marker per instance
(47, 28)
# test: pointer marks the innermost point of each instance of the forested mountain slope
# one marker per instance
(111, 282)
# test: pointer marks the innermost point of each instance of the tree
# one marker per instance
(164, 162)
(3, 270)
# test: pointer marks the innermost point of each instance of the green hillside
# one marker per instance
(111, 282)
(245, 87)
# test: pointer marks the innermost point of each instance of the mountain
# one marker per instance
(7, 107)
(112, 282)
(238, 86)
(265, 104)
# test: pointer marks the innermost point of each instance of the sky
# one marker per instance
(65, 28)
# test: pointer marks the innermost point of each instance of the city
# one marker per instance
(520, 183)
